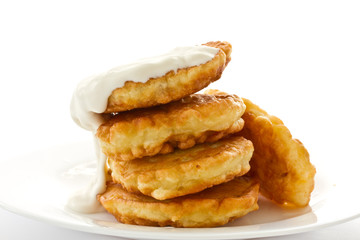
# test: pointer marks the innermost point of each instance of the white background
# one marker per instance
(299, 60)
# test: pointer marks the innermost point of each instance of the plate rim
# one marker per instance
(182, 233)
(175, 235)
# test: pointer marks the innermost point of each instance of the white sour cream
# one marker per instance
(85, 200)
(91, 95)
(90, 100)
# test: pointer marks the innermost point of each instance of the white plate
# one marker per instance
(38, 185)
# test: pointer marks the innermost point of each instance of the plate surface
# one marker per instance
(38, 186)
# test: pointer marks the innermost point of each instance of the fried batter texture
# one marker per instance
(185, 171)
(172, 86)
(212, 207)
(280, 162)
(194, 119)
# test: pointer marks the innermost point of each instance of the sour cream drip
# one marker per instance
(90, 100)
(84, 200)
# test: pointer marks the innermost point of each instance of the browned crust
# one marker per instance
(172, 86)
(194, 119)
(280, 162)
(185, 171)
(224, 46)
(212, 207)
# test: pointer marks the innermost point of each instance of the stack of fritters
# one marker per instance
(178, 158)
(172, 155)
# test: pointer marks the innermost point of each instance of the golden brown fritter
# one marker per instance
(194, 119)
(280, 162)
(212, 207)
(172, 86)
(185, 171)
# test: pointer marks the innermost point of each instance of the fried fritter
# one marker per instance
(194, 119)
(212, 207)
(185, 171)
(172, 86)
(280, 162)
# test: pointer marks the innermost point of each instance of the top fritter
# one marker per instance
(174, 85)
(149, 82)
